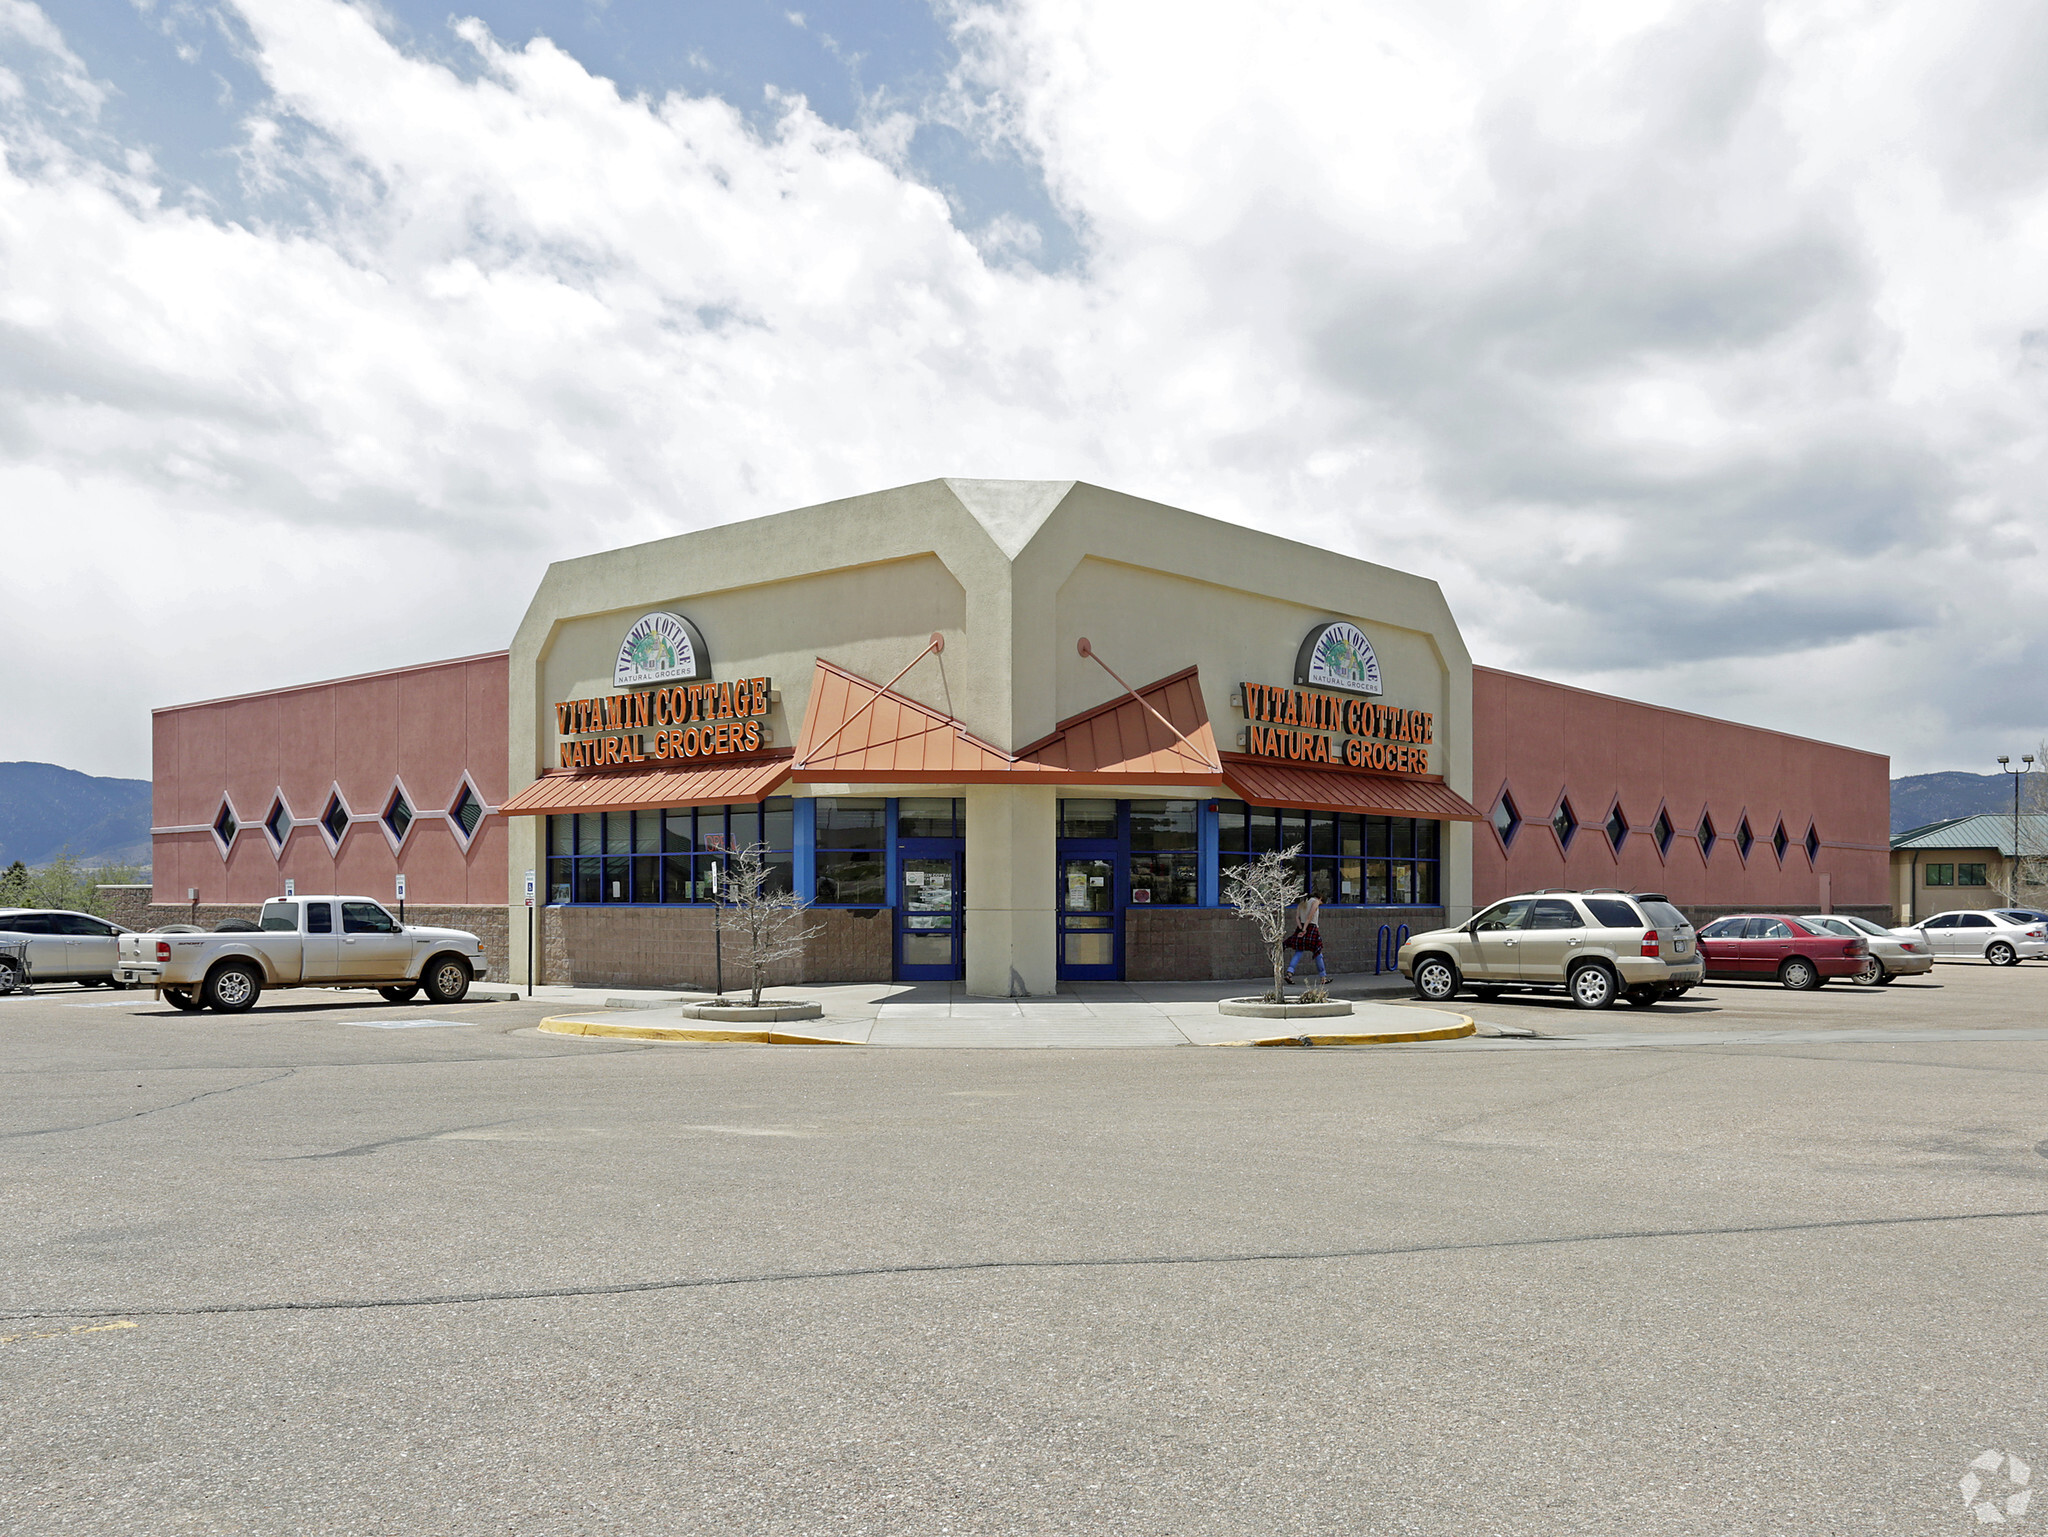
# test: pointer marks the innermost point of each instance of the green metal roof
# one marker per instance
(1986, 830)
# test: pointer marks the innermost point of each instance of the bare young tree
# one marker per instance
(765, 924)
(1263, 891)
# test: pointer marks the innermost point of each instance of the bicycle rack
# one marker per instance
(1383, 950)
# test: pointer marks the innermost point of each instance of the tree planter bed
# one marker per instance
(747, 1013)
(1258, 1008)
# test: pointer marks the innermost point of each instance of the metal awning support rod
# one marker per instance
(1089, 651)
(936, 643)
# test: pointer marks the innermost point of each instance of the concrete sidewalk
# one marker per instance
(1116, 1014)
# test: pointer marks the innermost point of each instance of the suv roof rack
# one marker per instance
(1601, 891)
(1649, 896)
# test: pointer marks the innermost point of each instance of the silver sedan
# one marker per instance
(2004, 938)
(1892, 953)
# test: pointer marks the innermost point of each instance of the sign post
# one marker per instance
(401, 899)
(291, 888)
(529, 933)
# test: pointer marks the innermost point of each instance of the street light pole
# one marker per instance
(2013, 869)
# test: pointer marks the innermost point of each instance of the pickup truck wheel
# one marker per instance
(404, 994)
(181, 999)
(232, 989)
(1593, 986)
(446, 979)
(1800, 974)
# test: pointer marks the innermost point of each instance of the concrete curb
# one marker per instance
(1466, 1026)
(559, 1026)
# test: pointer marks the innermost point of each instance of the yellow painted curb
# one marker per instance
(1466, 1026)
(557, 1026)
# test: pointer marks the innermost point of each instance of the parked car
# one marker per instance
(1891, 955)
(304, 942)
(65, 946)
(1996, 935)
(1774, 947)
(1596, 945)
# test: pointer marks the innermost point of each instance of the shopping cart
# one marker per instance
(14, 969)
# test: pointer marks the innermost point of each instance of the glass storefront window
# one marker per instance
(663, 856)
(931, 817)
(1165, 869)
(852, 865)
(1351, 861)
(1087, 819)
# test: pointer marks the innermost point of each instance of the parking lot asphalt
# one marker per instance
(338, 1266)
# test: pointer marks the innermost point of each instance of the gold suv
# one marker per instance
(1595, 945)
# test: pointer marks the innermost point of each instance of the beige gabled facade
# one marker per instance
(1010, 575)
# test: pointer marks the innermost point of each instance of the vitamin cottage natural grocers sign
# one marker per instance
(694, 720)
(1304, 725)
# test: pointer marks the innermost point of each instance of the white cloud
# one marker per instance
(1700, 351)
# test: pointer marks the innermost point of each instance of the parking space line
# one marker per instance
(52, 1334)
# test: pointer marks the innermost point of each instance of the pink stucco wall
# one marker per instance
(419, 727)
(1543, 742)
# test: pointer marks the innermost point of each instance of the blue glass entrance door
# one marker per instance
(1091, 914)
(929, 909)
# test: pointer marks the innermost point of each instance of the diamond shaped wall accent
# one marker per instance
(468, 811)
(1507, 821)
(1745, 840)
(1706, 835)
(1780, 842)
(1812, 844)
(1617, 828)
(1564, 824)
(398, 815)
(225, 826)
(1662, 832)
(279, 823)
(335, 819)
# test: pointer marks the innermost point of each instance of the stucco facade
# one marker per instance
(246, 790)
(1010, 576)
(1545, 746)
(911, 662)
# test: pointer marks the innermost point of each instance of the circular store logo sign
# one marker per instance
(1338, 656)
(660, 648)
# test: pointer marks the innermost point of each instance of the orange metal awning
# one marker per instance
(857, 730)
(1262, 782)
(1124, 740)
(646, 789)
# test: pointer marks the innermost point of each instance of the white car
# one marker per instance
(64, 946)
(2002, 938)
(1891, 954)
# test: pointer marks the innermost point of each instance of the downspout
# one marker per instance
(1912, 889)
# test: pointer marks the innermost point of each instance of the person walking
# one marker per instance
(1306, 938)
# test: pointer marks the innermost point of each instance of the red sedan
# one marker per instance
(1766, 947)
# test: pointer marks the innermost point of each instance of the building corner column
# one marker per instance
(1011, 847)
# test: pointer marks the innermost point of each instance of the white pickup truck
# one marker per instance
(304, 942)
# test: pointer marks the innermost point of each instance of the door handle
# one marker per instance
(349, 940)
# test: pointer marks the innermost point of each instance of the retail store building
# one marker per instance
(1005, 733)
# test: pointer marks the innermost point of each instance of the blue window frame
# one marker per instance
(674, 855)
(1347, 860)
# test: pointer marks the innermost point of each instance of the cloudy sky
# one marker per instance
(1699, 350)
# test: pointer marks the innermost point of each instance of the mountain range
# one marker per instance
(1919, 799)
(46, 811)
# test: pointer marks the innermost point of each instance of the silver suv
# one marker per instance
(1596, 945)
